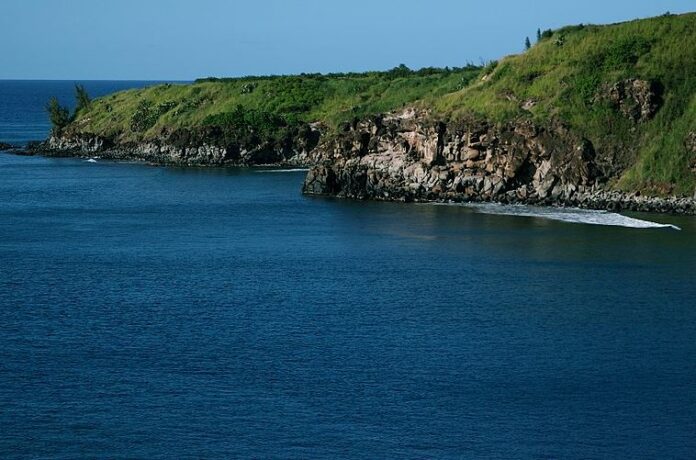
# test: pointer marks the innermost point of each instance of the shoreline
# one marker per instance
(596, 199)
(609, 201)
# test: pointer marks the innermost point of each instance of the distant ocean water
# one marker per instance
(22, 104)
(150, 312)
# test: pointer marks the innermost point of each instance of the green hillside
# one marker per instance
(565, 72)
(266, 102)
(562, 78)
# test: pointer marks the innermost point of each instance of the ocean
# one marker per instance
(160, 312)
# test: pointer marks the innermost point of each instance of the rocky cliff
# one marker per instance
(190, 148)
(411, 156)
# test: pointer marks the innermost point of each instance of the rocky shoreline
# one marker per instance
(605, 200)
(14, 149)
(409, 156)
(163, 153)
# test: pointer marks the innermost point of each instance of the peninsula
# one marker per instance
(593, 116)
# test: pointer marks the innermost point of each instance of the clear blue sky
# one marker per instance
(185, 39)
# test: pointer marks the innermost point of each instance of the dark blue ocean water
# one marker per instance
(151, 312)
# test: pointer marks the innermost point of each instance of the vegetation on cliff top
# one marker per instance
(564, 76)
(560, 78)
(271, 101)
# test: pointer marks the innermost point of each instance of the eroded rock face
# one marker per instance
(180, 149)
(83, 144)
(637, 99)
(407, 156)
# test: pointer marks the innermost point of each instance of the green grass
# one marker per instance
(562, 74)
(144, 113)
(565, 72)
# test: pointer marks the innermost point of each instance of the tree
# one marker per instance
(527, 43)
(538, 35)
(59, 115)
(82, 98)
(401, 71)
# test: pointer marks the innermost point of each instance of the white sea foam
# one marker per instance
(280, 170)
(571, 215)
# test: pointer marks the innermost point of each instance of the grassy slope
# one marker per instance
(562, 74)
(331, 99)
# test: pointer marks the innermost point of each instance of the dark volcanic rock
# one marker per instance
(9, 148)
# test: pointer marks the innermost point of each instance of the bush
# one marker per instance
(490, 67)
(621, 54)
(84, 102)
(258, 120)
(586, 86)
(144, 118)
(625, 52)
(401, 71)
(59, 115)
(248, 88)
(548, 33)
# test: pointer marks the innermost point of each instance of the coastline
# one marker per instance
(600, 200)
(321, 180)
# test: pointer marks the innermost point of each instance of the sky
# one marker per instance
(187, 39)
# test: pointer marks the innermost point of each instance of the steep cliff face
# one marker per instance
(406, 155)
(410, 156)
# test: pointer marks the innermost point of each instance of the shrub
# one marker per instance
(490, 67)
(84, 102)
(586, 86)
(144, 118)
(401, 71)
(59, 115)
(625, 52)
(621, 54)
(248, 88)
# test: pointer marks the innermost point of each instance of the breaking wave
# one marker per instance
(571, 215)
